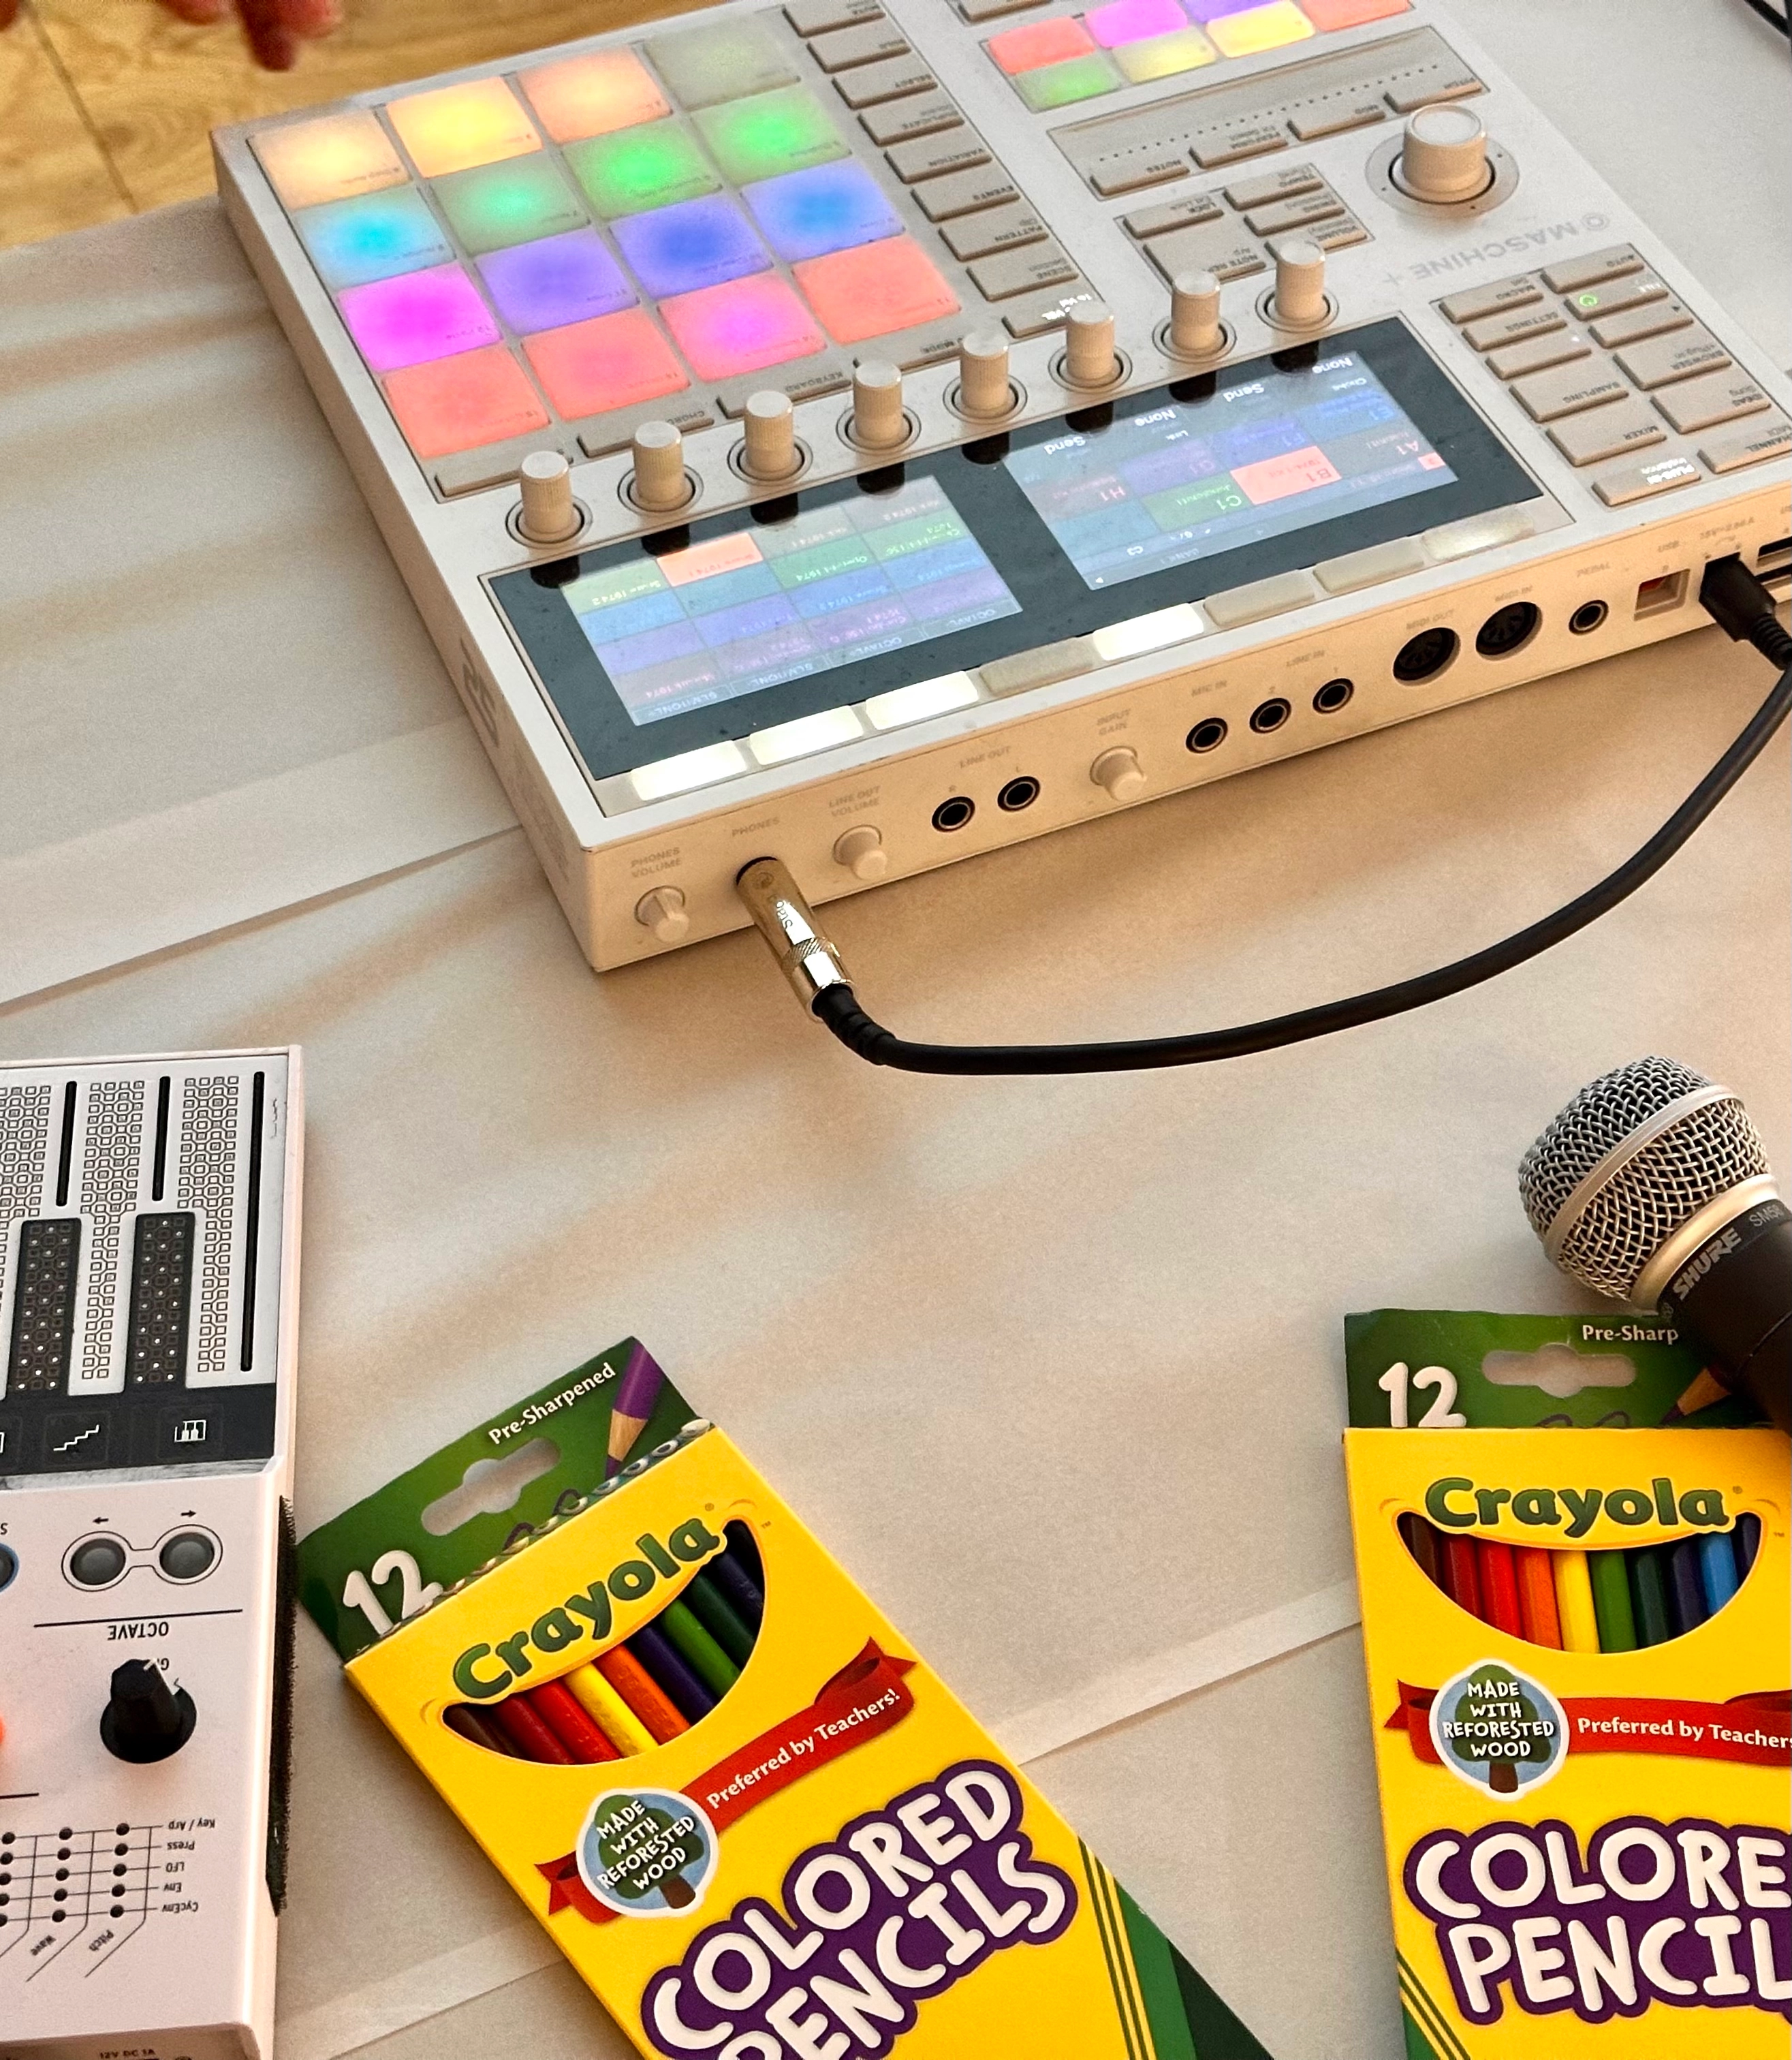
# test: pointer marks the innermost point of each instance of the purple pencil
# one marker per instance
(636, 1392)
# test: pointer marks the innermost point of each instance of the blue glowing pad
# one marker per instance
(560, 280)
(697, 243)
(375, 236)
(829, 207)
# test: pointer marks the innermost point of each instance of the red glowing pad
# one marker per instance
(1036, 43)
(875, 290)
(1327, 14)
(452, 403)
(743, 325)
(611, 361)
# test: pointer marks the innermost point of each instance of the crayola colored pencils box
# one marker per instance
(753, 1819)
(1577, 1644)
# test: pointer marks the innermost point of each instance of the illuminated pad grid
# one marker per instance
(595, 232)
(1068, 57)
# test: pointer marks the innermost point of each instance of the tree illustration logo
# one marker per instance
(1497, 1729)
(644, 1853)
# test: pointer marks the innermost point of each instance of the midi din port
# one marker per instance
(1423, 656)
(1020, 793)
(955, 813)
(1508, 629)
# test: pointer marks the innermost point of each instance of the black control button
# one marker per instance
(187, 1554)
(146, 1720)
(97, 1563)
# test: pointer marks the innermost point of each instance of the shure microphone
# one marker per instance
(1651, 1186)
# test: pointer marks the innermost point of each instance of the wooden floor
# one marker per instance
(105, 105)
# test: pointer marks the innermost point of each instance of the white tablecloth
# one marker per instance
(1055, 1367)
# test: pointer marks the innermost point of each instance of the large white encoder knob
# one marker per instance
(1119, 771)
(1443, 154)
(660, 483)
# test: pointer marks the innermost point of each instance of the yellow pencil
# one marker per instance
(607, 1711)
(1573, 1602)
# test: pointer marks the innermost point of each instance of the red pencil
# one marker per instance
(555, 1704)
(1462, 1580)
(1499, 1588)
(526, 1730)
(1542, 1621)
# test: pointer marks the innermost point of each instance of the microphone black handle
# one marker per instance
(1732, 1299)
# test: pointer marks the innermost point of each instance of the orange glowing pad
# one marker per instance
(741, 326)
(453, 403)
(309, 163)
(1036, 43)
(590, 96)
(458, 126)
(610, 362)
(1328, 14)
(875, 290)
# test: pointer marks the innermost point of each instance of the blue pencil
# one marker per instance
(1748, 1542)
(654, 1650)
(1686, 1586)
(1717, 1567)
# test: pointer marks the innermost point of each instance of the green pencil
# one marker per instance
(709, 1605)
(1654, 1621)
(1611, 1602)
(697, 1649)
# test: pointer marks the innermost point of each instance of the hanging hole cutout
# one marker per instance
(641, 1692)
(1558, 1370)
(490, 1486)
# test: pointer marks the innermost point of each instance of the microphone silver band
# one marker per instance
(1562, 1226)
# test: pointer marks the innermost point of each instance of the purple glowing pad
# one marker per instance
(1211, 11)
(560, 280)
(417, 317)
(827, 207)
(694, 244)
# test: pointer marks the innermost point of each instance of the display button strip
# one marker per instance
(1227, 122)
(1643, 372)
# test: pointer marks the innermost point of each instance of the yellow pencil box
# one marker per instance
(835, 1861)
(1586, 1848)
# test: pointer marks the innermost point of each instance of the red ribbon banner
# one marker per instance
(1753, 1730)
(851, 1707)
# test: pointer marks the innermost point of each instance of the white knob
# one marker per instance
(1089, 359)
(548, 516)
(861, 852)
(663, 912)
(1194, 330)
(769, 422)
(1121, 772)
(1443, 154)
(659, 456)
(983, 373)
(1300, 301)
(878, 421)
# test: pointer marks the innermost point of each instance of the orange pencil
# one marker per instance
(642, 1693)
(1499, 1588)
(1542, 1622)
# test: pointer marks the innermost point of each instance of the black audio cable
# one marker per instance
(1771, 15)
(1736, 601)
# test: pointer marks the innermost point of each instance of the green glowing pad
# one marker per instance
(516, 201)
(635, 170)
(719, 61)
(770, 133)
(1077, 79)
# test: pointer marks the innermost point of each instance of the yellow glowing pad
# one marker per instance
(459, 126)
(309, 163)
(1259, 28)
(591, 96)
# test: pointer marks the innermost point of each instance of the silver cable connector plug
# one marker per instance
(808, 958)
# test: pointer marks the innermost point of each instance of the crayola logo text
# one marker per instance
(485, 1670)
(1458, 1504)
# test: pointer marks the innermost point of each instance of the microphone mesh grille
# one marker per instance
(1642, 1202)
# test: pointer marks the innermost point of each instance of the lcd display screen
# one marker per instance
(1258, 459)
(832, 586)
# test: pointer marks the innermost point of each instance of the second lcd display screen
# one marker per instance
(1252, 460)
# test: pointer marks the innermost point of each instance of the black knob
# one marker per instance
(146, 1719)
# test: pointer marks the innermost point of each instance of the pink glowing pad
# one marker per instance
(1036, 43)
(479, 397)
(1131, 21)
(742, 326)
(422, 315)
(613, 361)
(875, 290)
